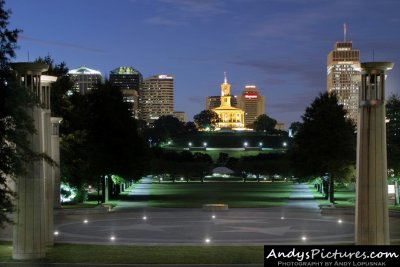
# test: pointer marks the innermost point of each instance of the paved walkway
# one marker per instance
(299, 222)
(194, 226)
(140, 192)
(301, 197)
(143, 187)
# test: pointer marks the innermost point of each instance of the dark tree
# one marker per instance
(171, 164)
(99, 138)
(167, 127)
(268, 164)
(8, 42)
(58, 70)
(393, 133)
(203, 164)
(222, 159)
(115, 147)
(325, 142)
(206, 119)
(295, 126)
(15, 124)
(190, 127)
(59, 90)
(266, 124)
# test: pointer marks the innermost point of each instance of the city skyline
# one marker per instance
(280, 46)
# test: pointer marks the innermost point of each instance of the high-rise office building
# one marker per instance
(180, 115)
(252, 103)
(84, 79)
(128, 80)
(343, 76)
(156, 97)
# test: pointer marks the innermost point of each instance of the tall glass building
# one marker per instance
(252, 103)
(156, 97)
(84, 79)
(343, 76)
(128, 80)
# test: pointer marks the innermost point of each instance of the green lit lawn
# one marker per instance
(86, 204)
(128, 190)
(72, 253)
(235, 194)
(344, 198)
(214, 154)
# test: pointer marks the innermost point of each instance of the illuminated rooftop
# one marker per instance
(84, 71)
(125, 70)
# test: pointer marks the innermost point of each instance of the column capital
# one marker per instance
(56, 120)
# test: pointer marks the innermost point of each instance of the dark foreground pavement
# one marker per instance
(13, 264)
(299, 222)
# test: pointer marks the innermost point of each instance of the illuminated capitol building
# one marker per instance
(230, 117)
(236, 112)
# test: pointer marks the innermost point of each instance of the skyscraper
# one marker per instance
(343, 75)
(128, 80)
(156, 97)
(84, 78)
(180, 115)
(252, 103)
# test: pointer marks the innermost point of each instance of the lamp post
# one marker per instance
(372, 218)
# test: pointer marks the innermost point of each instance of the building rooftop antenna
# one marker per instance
(344, 31)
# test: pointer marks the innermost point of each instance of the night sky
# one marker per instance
(279, 45)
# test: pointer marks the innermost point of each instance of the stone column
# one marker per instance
(52, 174)
(48, 179)
(105, 188)
(55, 155)
(30, 226)
(372, 220)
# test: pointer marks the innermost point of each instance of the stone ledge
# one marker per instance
(215, 207)
(326, 209)
(80, 211)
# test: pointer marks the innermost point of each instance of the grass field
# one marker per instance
(344, 198)
(214, 154)
(74, 253)
(235, 194)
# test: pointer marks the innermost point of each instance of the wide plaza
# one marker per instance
(297, 220)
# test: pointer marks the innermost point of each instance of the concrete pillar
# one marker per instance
(48, 179)
(52, 173)
(106, 189)
(31, 216)
(29, 228)
(372, 219)
(55, 155)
